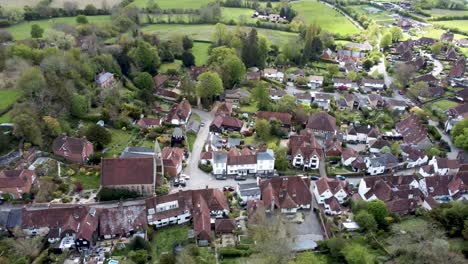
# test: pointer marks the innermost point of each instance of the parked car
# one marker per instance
(240, 178)
(185, 176)
(314, 178)
(340, 177)
(176, 182)
(202, 124)
(228, 188)
(182, 182)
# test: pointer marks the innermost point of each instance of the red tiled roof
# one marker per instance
(225, 226)
(227, 121)
(179, 111)
(284, 118)
(412, 130)
(282, 190)
(322, 122)
(127, 171)
(149, 122)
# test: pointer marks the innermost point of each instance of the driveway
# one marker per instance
(198, 178)
(453, 150)
(438, 67)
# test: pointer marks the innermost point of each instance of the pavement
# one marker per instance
(198, 178)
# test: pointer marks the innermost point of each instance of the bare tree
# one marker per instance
(70, 7)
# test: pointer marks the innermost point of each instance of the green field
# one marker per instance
(459, 24)
(6, 118)
(23, 30)
(59, 3)
(205, 32)
(436, 12)
(200, 51)
(444, 104)
(170, 4)
(432, 32)
(243, 15)
(325, 17)
(380, 17)
(173, 65)
(8, 97)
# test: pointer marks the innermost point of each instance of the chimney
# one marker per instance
(206, 187)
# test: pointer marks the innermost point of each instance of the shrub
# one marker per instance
(433, 131)
(162, 190)
(205, 167)
(109, 194)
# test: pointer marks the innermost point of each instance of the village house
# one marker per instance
(412, 156)
(132, 152)
(375, 101)
(9, 221)
(236, 96)
(455, 115)
(73, 149)
(179, 113)
(327, 55)
(71, 227)
(413, 132)
(172, 160)
(287, 194)
(373, 84)
(322, 100)
(343, 55)
(348, 155)
(361, 134)
(196, 71)
(425, 41)
(376, 146)
(395, 105)
(381, 163)
(322, 123)
(303, 98)
(248, 192)
(462, 43)
(333, 147)
(224, 109)
(458, 69)
(122, 221)
(241, 164)
(440, 166)
(341, 83)
(253, 76)
(352, 101)
(132, 174)
(105, 80)
(276, 94)
(445, 188)
(451, 54)
(283, 118)
(427, 78)
(226, 123)
(146, 122)
(326, 188)
(274, 74)
(15, 183)
(358, 46)
(315, 81)
(447, 36)
(305, 150)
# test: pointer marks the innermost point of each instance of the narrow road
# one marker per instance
(453, 150)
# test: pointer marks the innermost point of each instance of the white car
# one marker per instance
(185, 176)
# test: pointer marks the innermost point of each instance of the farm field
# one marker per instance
(205, 32)
(23, 30)
(170, 4)
(432, 32)
(436, 12)
(325, 17)
(381, 17)
(459, 24)
(200, 51)
(237, 14)
(59, 3)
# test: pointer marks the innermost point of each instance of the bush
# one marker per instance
(205, 167)
(109, 194)
(162, 190)
(233, 253)
(434, 132)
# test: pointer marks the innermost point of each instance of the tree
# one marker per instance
(281, 162)
(188, 60)
(262, 97)
(419, 88)
(436, 47)
(5, 36)
(395, 149)
(52, 126)
(286, 104)
(313, 46)
(358, 254)
(397, 34)
(367, 64)
(386, 149)
(145, 57)
(98, 135)
(32, 82)
(36, 31)
(139, 256)
(187, 42)
(79, 105)
(327, 39)
(333, 69)
(209, 86)
(219, 54)
(386, 41)
(81, 19)
(292, 51)
(144, 81)
(403, 74)
(460, 134)
(379, 210)
(263, 129)
(232, 71)
(90, 10)
(366, 221)
(152, 6)
(26, 124)
(352, 75)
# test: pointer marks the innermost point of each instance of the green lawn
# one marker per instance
(436, 12)
(23, 30)
(58, 3)
(170, 4)
(120, 140)
(250, 108)
(173, 65)
(465, 51)
(200, 51)
(165, 238)
(205, 32)
(9, 97)
(458, 24)
(444, 104)
(6, 118)
(381, 17)
(90, 181)
(191, 137)
(432, 32)
(325, 17)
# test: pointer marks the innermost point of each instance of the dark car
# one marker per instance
(339, 177)
(240, 178)
(176, 182)
(228, 189)
(314, 178)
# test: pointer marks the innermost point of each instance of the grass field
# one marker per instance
(432, 32)
(174, 65)
(120, 140)
(200, 51)
(205, 32)
(436, 12)
(381, 17)
(169, 4)
(23, 30)
(237, 15)
(6, 118)
(459, 24)
(444, 104)
(325, 17)
(59, 3)
(8, 97)
(91, 181)
(166, 238)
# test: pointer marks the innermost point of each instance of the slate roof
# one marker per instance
(383, 160)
